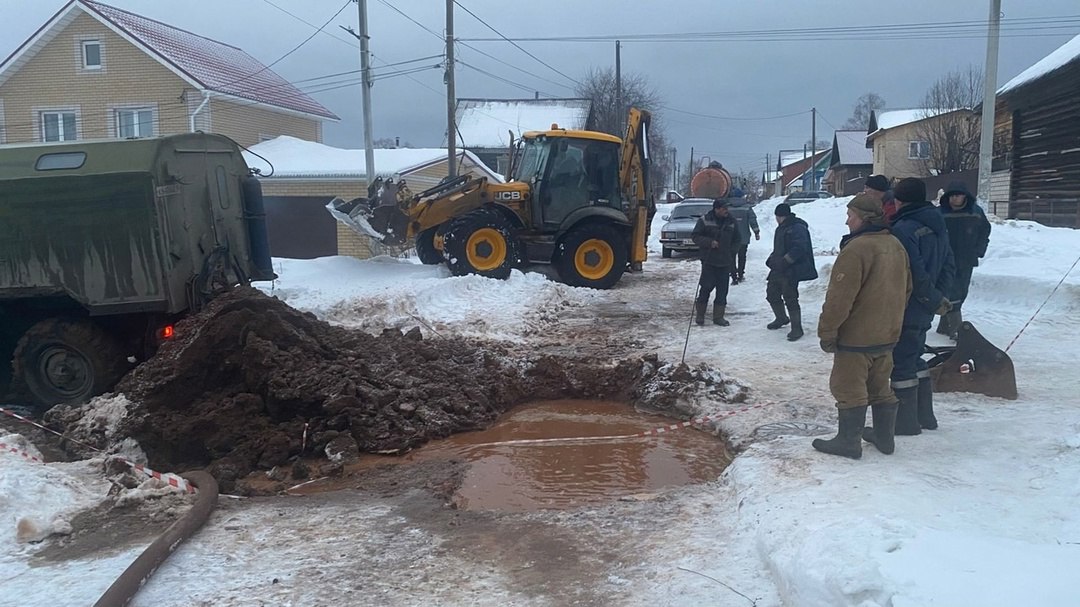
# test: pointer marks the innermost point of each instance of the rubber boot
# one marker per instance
(781, 317)
(718, 316)
(699, 313)
(795, 313)
(881, 435)
(848, 441)
(907, 413)
(925, 407)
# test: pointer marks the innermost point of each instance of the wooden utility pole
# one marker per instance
(986, 138)
(675, 169)
(365, 70)
(451, 101)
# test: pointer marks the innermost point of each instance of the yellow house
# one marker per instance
(899, 142)
(300, 177)
(95, 71)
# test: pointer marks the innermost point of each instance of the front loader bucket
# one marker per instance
(972, 365)
(386, 224)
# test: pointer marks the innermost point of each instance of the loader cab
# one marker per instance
(568, 170)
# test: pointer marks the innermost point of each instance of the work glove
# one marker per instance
(944, 307)
(757, 235)
(828, 345)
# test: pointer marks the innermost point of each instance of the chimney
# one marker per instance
(536, 95)
(397, 142)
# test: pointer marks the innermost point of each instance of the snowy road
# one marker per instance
(981, 511)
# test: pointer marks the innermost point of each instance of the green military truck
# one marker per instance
(105, 244)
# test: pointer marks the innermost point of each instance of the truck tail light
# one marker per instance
(166, 332)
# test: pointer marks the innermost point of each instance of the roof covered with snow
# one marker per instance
(484, 123)
(1065, 54)
(850, 148)
(790, 157)
(206, 64)
(891, 119)
(296, 158)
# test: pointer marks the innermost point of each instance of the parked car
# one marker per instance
(801, 197)
(675, 235)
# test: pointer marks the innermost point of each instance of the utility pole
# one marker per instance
(451, 101)
(691, 162)
(365, 69)
(675, 169)
(986, 137)
(813, 149)
(618, 88)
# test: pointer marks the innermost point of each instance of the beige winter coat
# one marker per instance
(868, 290)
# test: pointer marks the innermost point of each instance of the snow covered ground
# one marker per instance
(979, 512)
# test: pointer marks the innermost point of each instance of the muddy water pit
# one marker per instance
(507, 476)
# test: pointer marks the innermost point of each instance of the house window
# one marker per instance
(135, 122)
(58, 126)
(918, 150)
(91, 54)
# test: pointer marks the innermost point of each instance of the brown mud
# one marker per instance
(250, 383)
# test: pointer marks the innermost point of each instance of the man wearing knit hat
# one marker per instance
(860, 324)
(878, 187)
(921, 229)
(791, 262)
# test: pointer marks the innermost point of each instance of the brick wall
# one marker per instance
(54, 79)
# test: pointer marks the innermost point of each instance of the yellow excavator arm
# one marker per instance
(634, 181)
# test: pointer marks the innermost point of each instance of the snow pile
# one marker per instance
(1063, 55)
(292, 157)
(37, 500)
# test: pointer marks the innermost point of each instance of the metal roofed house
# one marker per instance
(484, 125)
(96, 71)
(1036, 172)
(851, 163)
(898, 142)
(300, 177)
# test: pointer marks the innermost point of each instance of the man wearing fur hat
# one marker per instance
(921, 229)
(969, 236)
(791, 262)
(860, 324)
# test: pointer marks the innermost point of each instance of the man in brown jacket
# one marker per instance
(860, 323)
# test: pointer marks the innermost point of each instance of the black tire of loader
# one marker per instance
(99, 354)
(456, 238)
(564, 258)
(425, 247)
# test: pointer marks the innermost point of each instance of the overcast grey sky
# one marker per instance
(736, 78)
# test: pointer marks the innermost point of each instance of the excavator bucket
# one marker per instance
(386, 224)
(972, 365)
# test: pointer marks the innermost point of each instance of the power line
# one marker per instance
(510, 65)
(308, 23)
(296, 48)
(421, 25)
(516, 45)
(802, 113)
(523, 87)
(1036, 25)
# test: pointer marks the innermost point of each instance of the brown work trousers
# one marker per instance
(861, 378)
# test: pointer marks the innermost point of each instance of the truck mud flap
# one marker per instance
(972, 365)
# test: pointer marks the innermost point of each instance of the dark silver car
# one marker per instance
(675, 235)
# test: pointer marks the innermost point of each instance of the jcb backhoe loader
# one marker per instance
(575, 199)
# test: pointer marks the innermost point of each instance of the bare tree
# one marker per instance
(953, 130)
(860, 114)
(821, 144)
(387, 143)
(598, 84)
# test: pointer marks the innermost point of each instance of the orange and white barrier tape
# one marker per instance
(173, 480)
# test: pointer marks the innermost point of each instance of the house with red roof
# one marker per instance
(95, 71)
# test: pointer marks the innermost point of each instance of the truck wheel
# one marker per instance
(425, 247)
(63, 361)
(592, 256)
(481, 242)
(666, 252)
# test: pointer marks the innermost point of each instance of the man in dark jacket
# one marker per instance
(921, 229)
(969, 235)
(860, 323)
(717, 238)
(791, 262)
(746, 220)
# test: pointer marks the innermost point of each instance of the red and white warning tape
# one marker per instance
(697, 421)
(172, 480)
(6, 448)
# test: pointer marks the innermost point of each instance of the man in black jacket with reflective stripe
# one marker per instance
(717, 239)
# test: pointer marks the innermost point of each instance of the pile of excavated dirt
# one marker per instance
(250, 383)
